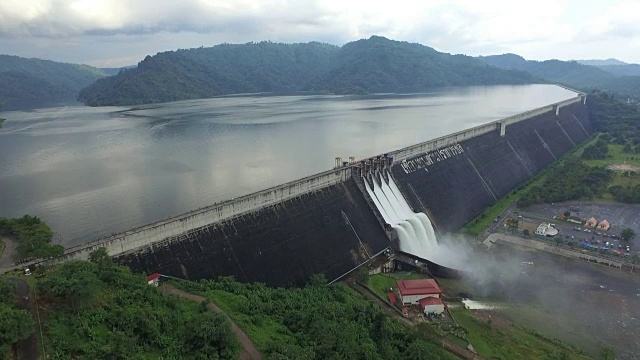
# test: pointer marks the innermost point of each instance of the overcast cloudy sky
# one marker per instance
(122, 32)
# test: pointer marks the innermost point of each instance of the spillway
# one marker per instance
(414, 230)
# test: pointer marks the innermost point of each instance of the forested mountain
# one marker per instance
(571, 73)
(116, 70)
(622, 70)
(606, 62)
(382, 65)
(206, 72)
(373, 65)
(30, 83)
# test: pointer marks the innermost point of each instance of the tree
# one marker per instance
(607, 353)
(209, 336)
(74, 282)
(7, 291)
(627, 234)
(363, 275)
(101, 258)
(525, 232)
(15, 325)
(513, 224)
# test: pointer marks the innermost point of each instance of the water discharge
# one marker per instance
(414, 230)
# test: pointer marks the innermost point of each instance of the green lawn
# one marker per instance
(507, 341)
(616, 156)
(379, 282)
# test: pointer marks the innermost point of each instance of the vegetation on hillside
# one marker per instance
(33, 236)
(501, 339)
(315, 322)
(619, 120)
(98, 310)
(373, 65)
(378, 64)
(30, 83)
(218, 70)
(622, 69)
(599, 150)
(569, 180)
(15, 324)
(571, 73)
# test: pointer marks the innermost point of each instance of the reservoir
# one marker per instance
(91, 172)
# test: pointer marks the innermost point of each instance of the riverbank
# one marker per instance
(590, 307)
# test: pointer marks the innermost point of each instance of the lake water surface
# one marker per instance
(90, 172)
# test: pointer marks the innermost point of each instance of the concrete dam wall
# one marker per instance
(327, 223)
(456, 185)
(329, 230)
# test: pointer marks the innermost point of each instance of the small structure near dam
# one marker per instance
(338, 220)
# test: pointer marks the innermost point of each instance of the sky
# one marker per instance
(113, 33)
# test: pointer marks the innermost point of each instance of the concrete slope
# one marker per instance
(280, 245)
(456, 187)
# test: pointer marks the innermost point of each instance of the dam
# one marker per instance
(335, 221)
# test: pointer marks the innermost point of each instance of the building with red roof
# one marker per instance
(153, 279)
(591, 222)
(432, 305)
(411, 291)
(604, 225)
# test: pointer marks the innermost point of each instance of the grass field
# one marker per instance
(379, 282)
(1, 247)
(497, 338)
(616, 156)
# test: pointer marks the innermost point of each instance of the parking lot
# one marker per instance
(620, 216)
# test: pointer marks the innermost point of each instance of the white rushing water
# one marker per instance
(414, 230)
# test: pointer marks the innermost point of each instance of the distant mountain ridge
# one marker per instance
(595, 62)
(376, 64)
(571, 73)
(30, 83)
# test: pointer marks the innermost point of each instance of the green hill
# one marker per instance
(382, 65)
(571, 73)
(207, 72)
(372, 65)
(31, 83)
(622, 70)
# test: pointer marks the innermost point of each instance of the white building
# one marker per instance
(545, 229)
(432, 305)
(412, 291)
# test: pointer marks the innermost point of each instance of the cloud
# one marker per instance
(102, 29)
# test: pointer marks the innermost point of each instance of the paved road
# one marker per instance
(6, 260)
(249, 351)
(26, 349)
(548, 247)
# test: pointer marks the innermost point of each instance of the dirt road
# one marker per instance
(28, 348)
(249, 351)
